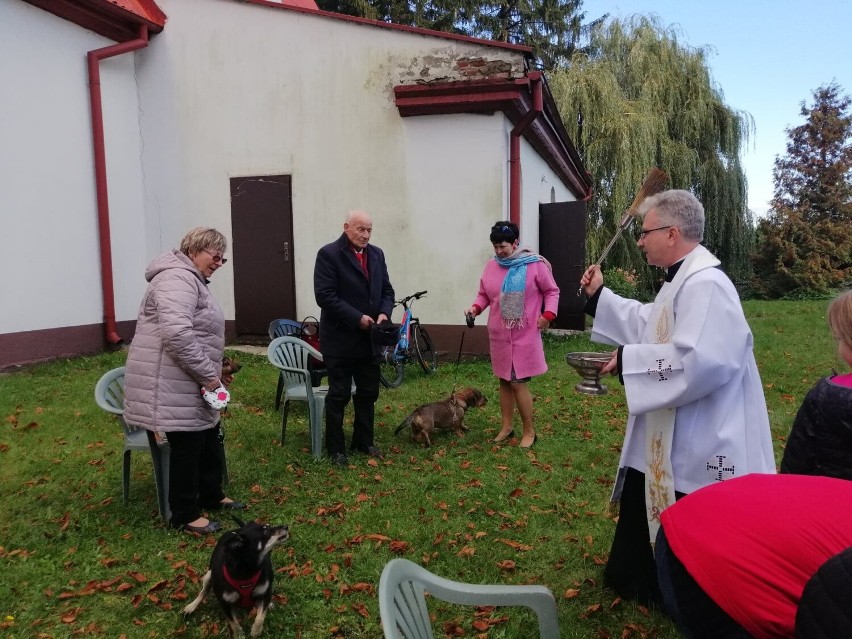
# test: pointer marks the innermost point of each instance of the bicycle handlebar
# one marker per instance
(413, 296)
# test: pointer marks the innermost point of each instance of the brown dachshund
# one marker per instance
(230, 367)
(445, 415)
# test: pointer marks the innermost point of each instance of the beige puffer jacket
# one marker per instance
(177, 348)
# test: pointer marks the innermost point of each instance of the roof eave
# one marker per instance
(105, 17)
(547, 134)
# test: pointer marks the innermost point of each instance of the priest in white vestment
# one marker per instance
(697, 413)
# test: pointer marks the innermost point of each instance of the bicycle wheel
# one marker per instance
(426, 354)
(391, 370)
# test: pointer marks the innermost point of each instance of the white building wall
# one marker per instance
(231, 89)
(451, 209)
(50, 259)
(539, 184)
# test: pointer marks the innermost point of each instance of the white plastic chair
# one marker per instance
(109, 395)
(282, 328)
(290, 355)
(402, 604)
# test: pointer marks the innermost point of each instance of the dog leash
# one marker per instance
(458, 359)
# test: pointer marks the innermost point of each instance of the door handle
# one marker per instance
(286, 251)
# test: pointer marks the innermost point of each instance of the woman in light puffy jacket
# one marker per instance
(176, 351)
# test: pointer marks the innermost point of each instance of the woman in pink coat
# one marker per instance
(517, 284)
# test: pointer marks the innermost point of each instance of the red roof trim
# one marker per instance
(145, 9)
(520, 48)
(117, 20)
(513, 97)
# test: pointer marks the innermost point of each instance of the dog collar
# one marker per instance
(243, 586)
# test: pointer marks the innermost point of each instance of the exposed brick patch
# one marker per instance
(482, 68)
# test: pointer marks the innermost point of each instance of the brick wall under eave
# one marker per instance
(447, 64)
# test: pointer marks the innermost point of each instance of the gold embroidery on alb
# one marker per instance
(657, 478)
(663, 327)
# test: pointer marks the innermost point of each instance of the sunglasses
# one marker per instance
(217, 259)
(502, 228)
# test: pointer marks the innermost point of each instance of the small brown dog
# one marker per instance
(230, 367)
(445, 415)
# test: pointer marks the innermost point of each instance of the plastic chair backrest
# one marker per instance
(291, 355)
(283, 327)
(403, 610)
(109, 391)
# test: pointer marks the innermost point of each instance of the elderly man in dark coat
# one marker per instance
(353, 291)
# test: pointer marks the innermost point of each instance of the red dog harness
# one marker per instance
(243, 586)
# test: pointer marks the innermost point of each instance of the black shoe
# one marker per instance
(372, 451)
(211, 527)
(340, 459)
(227, 505)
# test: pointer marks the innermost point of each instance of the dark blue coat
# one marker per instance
(344, 293)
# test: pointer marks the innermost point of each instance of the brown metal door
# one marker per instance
(562, 240)
(264, 278)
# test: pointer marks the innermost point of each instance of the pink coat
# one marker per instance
(520, 348)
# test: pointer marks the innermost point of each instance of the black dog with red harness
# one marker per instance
(241, 574)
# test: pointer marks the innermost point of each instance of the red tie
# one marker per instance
(362, 260)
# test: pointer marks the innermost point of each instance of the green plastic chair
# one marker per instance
(402, 601)
(290, 356)
(283, 328)
(109, 395)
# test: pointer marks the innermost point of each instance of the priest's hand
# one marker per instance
(612, 365)
(592, 279)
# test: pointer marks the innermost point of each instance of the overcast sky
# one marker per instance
(770, 56)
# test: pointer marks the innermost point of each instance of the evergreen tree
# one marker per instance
(640, 98)
(553, 28)
(805, 244)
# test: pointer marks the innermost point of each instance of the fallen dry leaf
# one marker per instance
(399, 547)
(71, 615)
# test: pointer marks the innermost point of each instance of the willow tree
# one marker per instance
(639, 97)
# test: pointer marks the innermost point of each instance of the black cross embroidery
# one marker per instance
(720, 467)
(660, 370)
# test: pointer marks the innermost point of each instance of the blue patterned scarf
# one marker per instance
(514, 286)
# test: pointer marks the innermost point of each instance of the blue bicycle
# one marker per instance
(414, 342)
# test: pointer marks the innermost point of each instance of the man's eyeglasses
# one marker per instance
(217, 259)
(645, 232)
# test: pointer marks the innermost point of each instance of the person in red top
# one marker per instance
(733, 558)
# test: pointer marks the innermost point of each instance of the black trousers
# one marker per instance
(341, 372)
(195, 473)
(631, 570)
(695, 614)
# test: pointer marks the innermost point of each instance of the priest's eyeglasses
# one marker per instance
(645, 232)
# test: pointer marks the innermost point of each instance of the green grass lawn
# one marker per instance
(75, 560)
